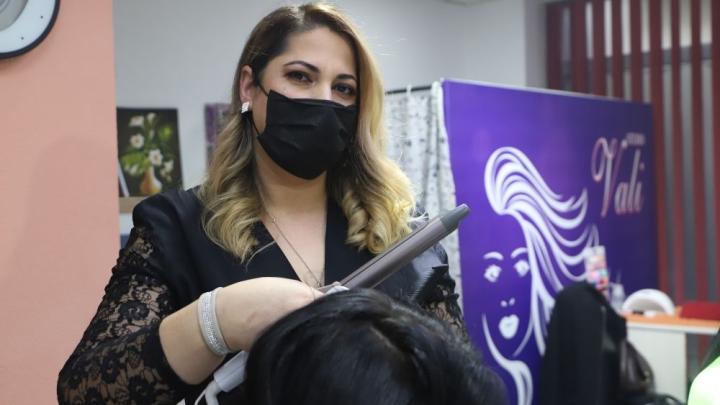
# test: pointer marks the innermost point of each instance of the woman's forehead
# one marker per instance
(322, 48)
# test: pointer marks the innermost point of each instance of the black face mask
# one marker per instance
(306, 137)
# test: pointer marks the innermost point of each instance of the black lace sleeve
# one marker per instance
(440, 299)
(119, 359)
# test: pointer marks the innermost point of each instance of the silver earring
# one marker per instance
(245, 107)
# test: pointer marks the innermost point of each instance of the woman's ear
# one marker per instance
(247, 85)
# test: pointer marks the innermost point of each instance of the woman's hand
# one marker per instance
(245, 309)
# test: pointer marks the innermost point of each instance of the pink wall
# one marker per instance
(59, 206)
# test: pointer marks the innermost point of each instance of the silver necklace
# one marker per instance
(312, 273)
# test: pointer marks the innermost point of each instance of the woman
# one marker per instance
(298, 195)
(407, 357)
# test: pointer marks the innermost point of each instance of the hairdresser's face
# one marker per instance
(507, 278)
(316, 64)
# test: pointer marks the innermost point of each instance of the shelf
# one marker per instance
(673, 323)
(128, 203)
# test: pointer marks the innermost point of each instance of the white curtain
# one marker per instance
(418, 141)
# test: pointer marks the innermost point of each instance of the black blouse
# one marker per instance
(169, 261)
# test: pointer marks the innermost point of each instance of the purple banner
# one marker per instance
(546, 175)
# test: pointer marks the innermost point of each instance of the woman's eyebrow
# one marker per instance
(346, 76)
(302, 62)
(315, 69)
(493, 255)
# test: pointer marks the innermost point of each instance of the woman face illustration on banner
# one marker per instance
(505, 268)
(533, 248)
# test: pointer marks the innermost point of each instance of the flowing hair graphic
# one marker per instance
(518, 370)
(555, 235)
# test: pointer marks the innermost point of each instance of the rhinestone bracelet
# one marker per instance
(209, 326)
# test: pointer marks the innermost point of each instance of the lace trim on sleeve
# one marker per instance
(119, 358)
(441, 301)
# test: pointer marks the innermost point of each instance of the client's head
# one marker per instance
(362, 347)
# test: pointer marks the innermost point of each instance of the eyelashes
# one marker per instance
(298, 76)
(302, 78)
(346, 89)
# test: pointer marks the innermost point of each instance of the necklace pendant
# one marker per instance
(295, 251)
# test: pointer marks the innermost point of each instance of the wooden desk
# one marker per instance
(662, 339)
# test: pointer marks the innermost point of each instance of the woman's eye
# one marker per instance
(345, 89)
(298, 76)
(522, 267)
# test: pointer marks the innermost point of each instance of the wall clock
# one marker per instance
(24, 24)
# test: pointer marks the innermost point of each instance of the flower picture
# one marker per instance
(148, 151)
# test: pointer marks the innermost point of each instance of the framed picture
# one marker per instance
(148, 151)
(215, 115)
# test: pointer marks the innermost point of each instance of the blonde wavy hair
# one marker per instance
(374, 194)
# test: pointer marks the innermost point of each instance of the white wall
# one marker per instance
(535, 32)
(182, 54)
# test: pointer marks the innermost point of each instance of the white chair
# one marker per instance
(649, 301)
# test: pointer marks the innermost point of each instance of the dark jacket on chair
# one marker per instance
(580, 364)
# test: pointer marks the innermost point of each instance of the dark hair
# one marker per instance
(362, 347)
